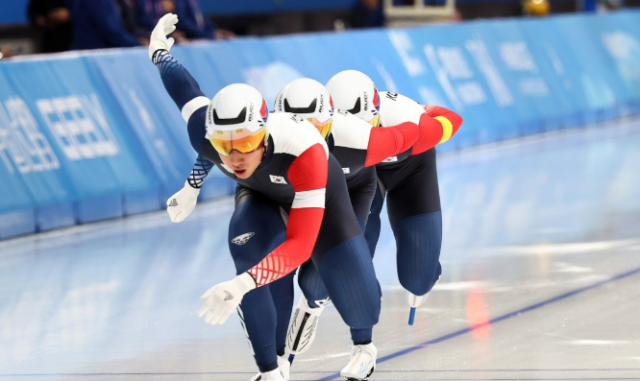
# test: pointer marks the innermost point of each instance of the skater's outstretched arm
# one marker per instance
(180, 85)
(186, 93)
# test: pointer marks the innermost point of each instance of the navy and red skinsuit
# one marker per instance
(358, 147)
(297, 176)
(409, 182)
(408, 136)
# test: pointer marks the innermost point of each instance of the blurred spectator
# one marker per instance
(152, 10)
(366, 14)
(52, 20)
(538, 8)
(604, 6)
(147, 14)
(162, 7)
(99, 24)
(6, 51)
(135, 21)
(193, 23)
(166, 6)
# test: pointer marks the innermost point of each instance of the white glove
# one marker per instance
(181, 204)
(158, 40)
(222, 299)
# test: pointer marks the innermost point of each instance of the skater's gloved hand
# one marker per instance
(181, 204)
(159, 41)
(222, 299)
(432, 110)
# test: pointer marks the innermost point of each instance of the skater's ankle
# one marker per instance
(268, 367)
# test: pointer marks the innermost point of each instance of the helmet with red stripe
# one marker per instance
(308, 99)
(355, 92)
(237, 119)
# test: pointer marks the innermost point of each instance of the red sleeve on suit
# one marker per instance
(430, 134)
(390, 141)
(309, 171)
(454, 118)
(308, 175)
(437, 125)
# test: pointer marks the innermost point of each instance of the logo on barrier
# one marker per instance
(79, 125)
(22, 144)
(402, 42)
(457, 79)
(517, 57)
(624, 48)
(449, 64)
(496, 83)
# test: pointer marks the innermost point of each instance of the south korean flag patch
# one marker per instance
(243, 238)
(390, 159)
(277, 179)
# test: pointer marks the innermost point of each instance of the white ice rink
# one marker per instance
(541, 281)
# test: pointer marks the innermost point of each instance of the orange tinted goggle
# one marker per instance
(243, 140)
(324, 128)
(375, 122)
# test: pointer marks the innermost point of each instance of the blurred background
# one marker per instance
(42, 26)
(540, 188)
(87, 131)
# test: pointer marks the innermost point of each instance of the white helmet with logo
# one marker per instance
(308, 99)
(355, 92)
(236, 119)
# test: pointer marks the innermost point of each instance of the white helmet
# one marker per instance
(236, 119)
(308, 99)
(355, 92)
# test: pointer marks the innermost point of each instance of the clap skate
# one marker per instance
(278, 374)
(362, 363)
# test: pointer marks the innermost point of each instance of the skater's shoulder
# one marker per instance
(292, 134)
(350, 131)
(396, 108)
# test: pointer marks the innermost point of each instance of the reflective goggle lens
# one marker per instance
(243, 140)
(324, 128)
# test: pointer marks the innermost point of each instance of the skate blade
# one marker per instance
(412, 315)
(361, 379)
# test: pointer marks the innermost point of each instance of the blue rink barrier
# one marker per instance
(91, 136)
